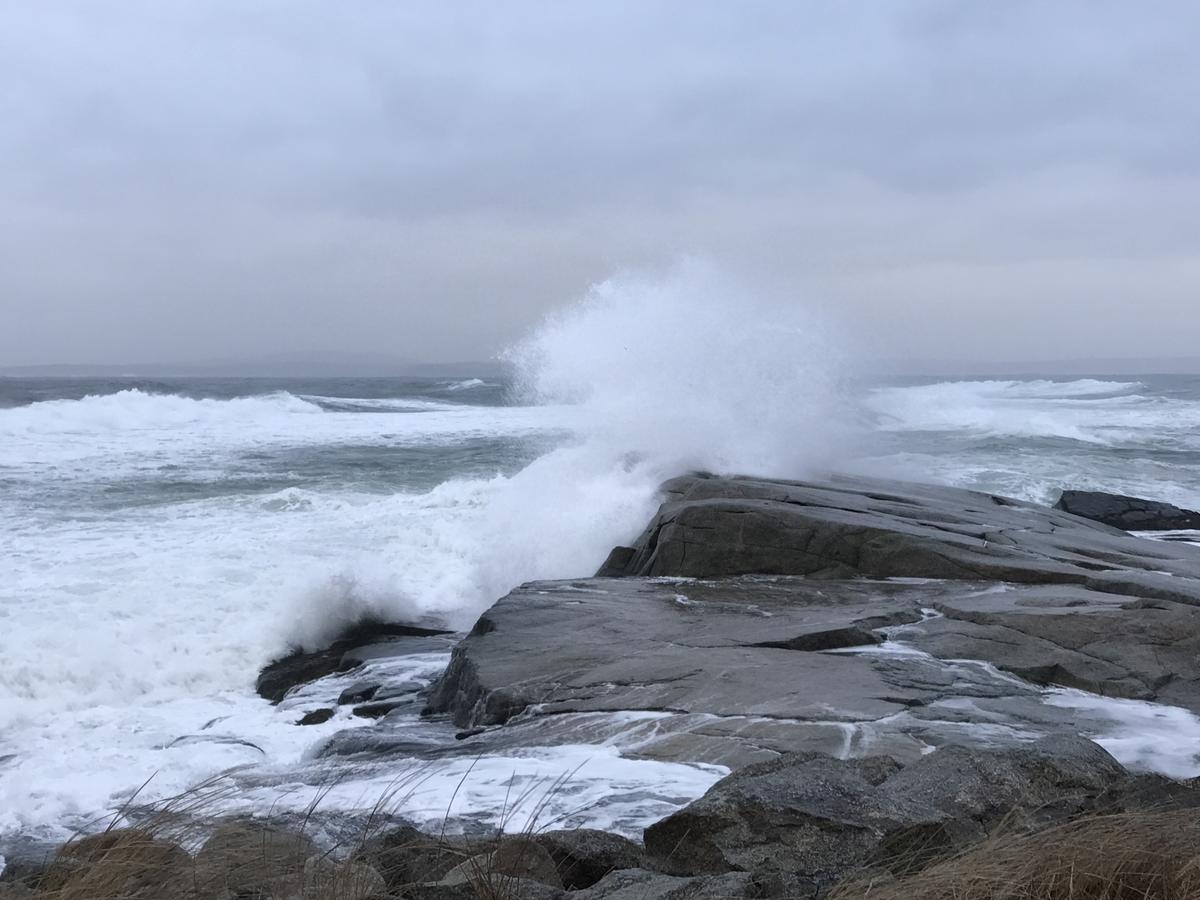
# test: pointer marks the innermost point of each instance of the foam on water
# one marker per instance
(1143, 736)
(156, 549)
(1031, 439)
(128, 619)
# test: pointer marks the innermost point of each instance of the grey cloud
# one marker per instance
(186, 180)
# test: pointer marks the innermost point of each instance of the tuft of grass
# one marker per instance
(1128, 856)
(149, 852)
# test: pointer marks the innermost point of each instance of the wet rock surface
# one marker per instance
(1128, 513)
(854, 527)
(348, 651)
(813, 818)
(887, 670)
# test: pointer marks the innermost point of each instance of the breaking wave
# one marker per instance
(650, 377)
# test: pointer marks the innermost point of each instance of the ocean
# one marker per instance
(160, 540)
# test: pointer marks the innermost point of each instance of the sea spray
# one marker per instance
(653, 376)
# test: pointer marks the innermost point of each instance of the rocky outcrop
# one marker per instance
(342, 655)
(848, 528)
(852, 644)
(1128, 513)
(804, 820)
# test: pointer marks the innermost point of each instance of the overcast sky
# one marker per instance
(223, 178)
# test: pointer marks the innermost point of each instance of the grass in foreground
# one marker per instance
(1132, 856)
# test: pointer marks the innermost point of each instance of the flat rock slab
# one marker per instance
(705, 671)
(1113, 645)
(852, 527)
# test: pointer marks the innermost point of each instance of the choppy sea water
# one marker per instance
(161, 540)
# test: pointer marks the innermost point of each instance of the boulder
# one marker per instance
(583, 856)
(316, 717)
(1128, 513)
(405, 856)
(358, 693)
(245, 856)
(513, 858)
(809, 819)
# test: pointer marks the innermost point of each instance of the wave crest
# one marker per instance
(133, 409)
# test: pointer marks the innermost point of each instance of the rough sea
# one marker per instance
(160, 540)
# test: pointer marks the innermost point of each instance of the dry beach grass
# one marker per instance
(1134, 856)
(185, 848)
(1144, 856)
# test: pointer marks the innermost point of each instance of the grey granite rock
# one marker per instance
(1128, 513)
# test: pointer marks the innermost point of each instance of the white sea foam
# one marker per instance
(1143, 736)
(134, 624)
(1031, 439)
(658, 376)
(467, 384)
(1103, 412)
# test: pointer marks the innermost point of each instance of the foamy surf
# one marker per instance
(200, 534)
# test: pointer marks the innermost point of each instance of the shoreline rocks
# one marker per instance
(1128, 513)
(871, 660)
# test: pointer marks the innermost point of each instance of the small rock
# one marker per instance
(358, 693)
(316, 717)
(376, 710)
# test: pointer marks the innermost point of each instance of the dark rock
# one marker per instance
(405, 856)
(401, 689)
(853, 527)
(814, 818)
(358, 693)
(512, 858)
(316, 717)
(583, 856)
(1128, 513)
(377, 710)
(298, 667)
